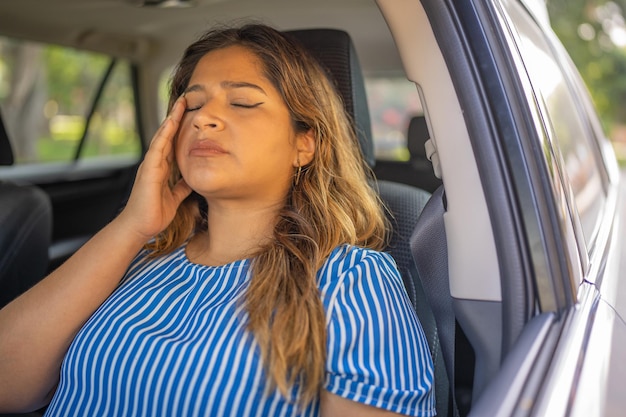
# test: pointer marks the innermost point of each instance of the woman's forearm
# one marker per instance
(37, 328)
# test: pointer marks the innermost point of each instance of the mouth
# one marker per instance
(206, 148)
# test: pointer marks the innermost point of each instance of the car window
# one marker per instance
(164, 91)
(46, 98)
(573, 142)
(392, 102)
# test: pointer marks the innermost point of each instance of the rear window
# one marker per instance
(392, 101)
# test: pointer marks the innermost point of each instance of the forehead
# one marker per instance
(236, 63)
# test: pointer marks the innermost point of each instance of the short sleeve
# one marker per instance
(377, 351)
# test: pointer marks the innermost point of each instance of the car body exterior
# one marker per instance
(534, 211)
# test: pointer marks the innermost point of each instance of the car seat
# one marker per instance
(422, 168)
(25, 231)
(335, 51)
(418, 170)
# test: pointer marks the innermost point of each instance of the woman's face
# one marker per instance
(236, 140)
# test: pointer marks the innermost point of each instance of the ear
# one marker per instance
(305, 148)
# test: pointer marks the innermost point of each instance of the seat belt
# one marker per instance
(430, 253)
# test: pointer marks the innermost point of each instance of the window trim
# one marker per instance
(94, 105)
(555, 272)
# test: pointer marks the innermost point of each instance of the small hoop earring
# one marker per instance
(298, 173)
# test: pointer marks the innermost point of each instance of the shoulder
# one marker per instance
(377, 353)
(350, 266)
(345, 258)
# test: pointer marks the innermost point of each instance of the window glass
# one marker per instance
(164, 91)
(46, 92)
(112, 127)
(392, 102)
(572, 136)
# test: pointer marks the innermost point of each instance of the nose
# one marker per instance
(206, 117)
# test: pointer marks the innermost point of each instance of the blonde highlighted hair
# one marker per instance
(330, 204)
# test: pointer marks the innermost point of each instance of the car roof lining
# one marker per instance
(119, 28)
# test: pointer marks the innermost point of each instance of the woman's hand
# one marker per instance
(153, 203)
(37, 328)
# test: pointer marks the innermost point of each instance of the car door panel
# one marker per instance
(85, 196)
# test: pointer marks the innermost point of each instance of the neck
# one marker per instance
(234, 233)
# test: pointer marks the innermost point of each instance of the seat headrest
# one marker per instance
(6, 154)
(335, 51)
(416, 137)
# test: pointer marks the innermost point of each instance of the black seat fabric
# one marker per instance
(335, 51)
(25, 232)
(6, 154)
(418, 170)
(430, 252)
(403, 202)
(417, 135)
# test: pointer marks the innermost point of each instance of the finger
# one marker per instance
(178, 109)
(170, 124)
(162, 140)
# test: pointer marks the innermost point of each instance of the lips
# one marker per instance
(206, 148)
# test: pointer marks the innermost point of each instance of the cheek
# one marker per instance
(179, 148)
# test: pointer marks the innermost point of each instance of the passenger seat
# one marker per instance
(335, 51)
(25, 231)
(418, 170)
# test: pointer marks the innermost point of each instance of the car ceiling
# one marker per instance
(122, 28)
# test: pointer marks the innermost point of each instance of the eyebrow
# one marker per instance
(226, 85)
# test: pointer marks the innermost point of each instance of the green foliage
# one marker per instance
(582, 26)
(56, 94)
(68, 72)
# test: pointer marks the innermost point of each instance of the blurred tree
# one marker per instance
(25, 98)
(40, 81)
(73, 77)
(594, 33)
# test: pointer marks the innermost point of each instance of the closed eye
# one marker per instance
(247, 106)
(188, 109)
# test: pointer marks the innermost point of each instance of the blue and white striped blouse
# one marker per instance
(172, 341)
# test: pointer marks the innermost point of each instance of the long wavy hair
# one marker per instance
(331, 203)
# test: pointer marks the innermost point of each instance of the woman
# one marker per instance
(271, 299)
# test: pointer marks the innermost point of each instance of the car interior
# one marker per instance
(335, 50)
(25, 231)
(418, 171)
(466, 271)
